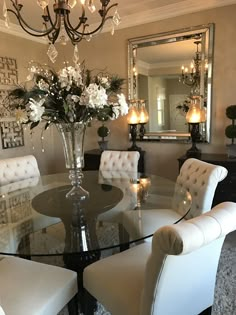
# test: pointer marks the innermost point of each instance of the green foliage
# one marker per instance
(231, 112)
(116, 83)
(230, 132)
(103, 131)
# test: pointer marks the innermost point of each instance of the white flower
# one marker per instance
(70, 75)
(104, 82)
(97, 96)
(43, 85)
(37, 109)
(124, 108)
(75, 98)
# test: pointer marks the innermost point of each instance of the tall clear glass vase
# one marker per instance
(72, 135)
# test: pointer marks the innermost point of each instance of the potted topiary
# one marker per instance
(230, 131)
(103, 132)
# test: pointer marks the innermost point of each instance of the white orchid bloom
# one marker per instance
(37, 109)
(97, 96)
(124, 108)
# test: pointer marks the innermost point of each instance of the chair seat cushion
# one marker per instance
(31, 288)
(116, 277)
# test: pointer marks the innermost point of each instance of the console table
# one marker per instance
(92, 160)
(226, 190)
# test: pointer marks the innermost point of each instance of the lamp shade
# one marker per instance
(143, 114)
(195, 114)
(133, 115)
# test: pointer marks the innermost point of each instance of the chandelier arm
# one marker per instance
(99, 26)
(54, 35)
(55, 31)
(49, 17)
(82, 17)
(28, 29)
(71, 33)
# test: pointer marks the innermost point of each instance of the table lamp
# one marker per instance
(133, 120)
(194, 117)
(143, 118)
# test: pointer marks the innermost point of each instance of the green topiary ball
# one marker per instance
(230, 131)
(231, 112)
(103, 131)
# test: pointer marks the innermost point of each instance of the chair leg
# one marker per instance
(73, 308)
(207, 311)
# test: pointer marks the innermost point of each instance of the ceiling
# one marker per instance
(132, 12)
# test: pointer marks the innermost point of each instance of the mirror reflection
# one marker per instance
(168, 71)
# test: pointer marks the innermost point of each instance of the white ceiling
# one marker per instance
(132, 12)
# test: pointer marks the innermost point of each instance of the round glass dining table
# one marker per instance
(36, 218)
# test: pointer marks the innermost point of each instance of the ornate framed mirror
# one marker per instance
(167, 70)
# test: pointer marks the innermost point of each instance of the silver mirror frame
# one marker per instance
(157, 39)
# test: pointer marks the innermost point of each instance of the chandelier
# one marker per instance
(59, 27)
(193, 77)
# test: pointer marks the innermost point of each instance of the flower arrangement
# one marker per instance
(68, 96)
(184, 106)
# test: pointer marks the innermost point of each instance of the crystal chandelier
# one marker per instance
(59, 27)
(193, 77)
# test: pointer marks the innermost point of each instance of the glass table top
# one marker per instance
(37, 219)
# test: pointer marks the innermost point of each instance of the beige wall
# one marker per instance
(111, 52)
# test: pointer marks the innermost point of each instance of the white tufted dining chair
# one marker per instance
(118, 168)
(32, 288)
(124, 161)
(175, 274)
(199, 178)
(17, 169)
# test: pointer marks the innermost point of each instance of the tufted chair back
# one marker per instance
(200, 179)
(17, 169)
(119, 161)
(187, 254)
(173, 275)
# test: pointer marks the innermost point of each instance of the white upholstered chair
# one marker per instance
(199, 178)
(175, 274)
(124, 161)
(32, 288)
(118, 168)
(17, 169)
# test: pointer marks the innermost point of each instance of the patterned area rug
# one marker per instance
(225, 290)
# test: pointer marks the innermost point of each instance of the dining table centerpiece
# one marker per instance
(69, 99)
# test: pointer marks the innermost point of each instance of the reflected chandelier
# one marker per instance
(193, 77)
(59, 28)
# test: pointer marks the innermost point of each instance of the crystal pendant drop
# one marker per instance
(88, 37)
(116, 18)
(63, 38)
(112, 28)
(91, 6)
(52, 53)
(76, 55)
(5, 14)
(72, 3)
(43, 3)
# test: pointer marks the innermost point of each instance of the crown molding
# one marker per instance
(148, 16)
(171, 10)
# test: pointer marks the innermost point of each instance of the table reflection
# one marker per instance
(37, 219)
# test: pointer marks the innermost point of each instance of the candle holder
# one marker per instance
(133, 121)
(133, 133)
(194, 117)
